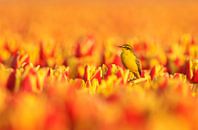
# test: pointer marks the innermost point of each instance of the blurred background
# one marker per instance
(163, 21)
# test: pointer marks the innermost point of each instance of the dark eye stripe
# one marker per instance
(127, 47)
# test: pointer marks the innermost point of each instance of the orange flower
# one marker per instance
(20, 60)
(192, 70)
(85, 46)
(157, 71)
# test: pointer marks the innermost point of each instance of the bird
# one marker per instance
(130, 61)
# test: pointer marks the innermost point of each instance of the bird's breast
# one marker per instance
(129, 61)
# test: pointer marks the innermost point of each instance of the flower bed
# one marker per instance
(89, 89)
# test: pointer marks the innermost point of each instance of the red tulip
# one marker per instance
(26, 84)
(157, 71)
(11, 81)
(117, 61)
(135, 117)
(20, 60)
(85, 46)
(98, 75)
(195, 77)
(192, 70)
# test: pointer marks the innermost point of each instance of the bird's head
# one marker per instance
(126, 47)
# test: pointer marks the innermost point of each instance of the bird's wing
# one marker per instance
(139, 65)
(123, 60)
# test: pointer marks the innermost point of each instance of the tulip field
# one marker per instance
(60, 67)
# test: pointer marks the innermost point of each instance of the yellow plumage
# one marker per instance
(130, 61)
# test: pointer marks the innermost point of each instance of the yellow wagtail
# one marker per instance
(130, 60)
